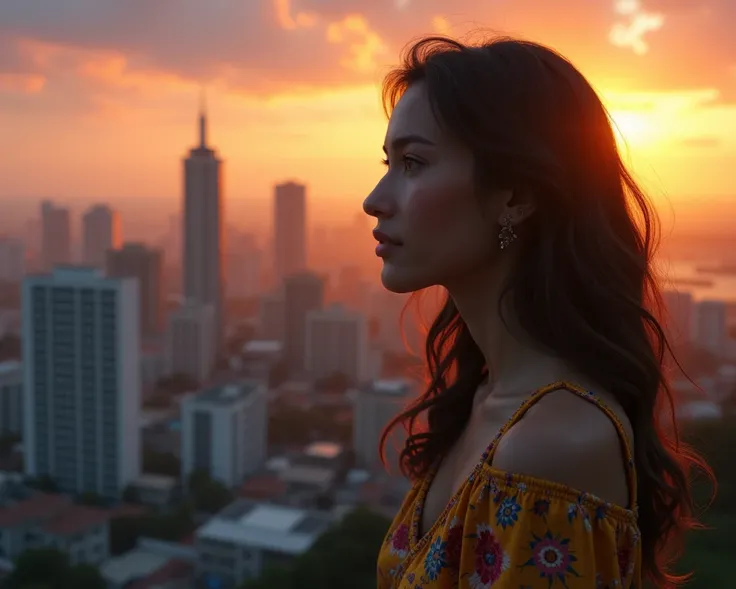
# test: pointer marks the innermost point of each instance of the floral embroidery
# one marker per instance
(436, 559)
(454, 540)
(623, 556)
(510, 530)
(508, 512)
(400, 541)
(552, 557)
(490, 559)
(541, 507)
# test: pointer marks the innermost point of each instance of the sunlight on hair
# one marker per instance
(631, 128)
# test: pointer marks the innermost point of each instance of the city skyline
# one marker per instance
(106, 107)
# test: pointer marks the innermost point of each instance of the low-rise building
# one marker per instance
(246, 537)
(43, 520)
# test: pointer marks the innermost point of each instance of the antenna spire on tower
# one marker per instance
(202, 117)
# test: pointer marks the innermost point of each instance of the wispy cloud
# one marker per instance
(633, 24)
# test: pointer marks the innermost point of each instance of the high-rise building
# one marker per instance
(11, 398)
(203, 227)
(244, 267)
(223, 431)
(56, 237)
(101, 231)
(289, 229)
(190, 341)
(12, 259)
(135, 260)
(81, 374)
(711, 327)
(303, 292)
(272, 316)
(337, 343)
(375, 405)
(679, 321)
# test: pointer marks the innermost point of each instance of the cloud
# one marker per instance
(275, 46)
(705, 142)
(636, 23)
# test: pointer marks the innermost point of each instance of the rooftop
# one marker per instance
(262, 346)
(395, 387)
(76, 519)
(10, 366)
(132, 565)
(324, 450)
(280, 529)
(227, 394)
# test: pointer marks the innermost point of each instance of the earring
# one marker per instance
(507, 234)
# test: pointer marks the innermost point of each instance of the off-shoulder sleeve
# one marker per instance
(520, 532)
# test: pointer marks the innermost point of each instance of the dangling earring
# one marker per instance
(507, 234)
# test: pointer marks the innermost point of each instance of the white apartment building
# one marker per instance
(81, 375)
(246, 538)
(337, 342)
(223, 431)
(191, 344)
(374, 406)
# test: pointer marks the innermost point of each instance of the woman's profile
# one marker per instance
(536, 451)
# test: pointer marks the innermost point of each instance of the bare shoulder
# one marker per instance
(569, 440)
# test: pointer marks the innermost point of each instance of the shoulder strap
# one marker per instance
(590, 397)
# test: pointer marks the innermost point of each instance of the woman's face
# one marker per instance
(434, 228)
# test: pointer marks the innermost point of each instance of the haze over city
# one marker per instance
(197, 355)
(97, 98)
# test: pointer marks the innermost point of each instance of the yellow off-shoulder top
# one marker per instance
(510, 531)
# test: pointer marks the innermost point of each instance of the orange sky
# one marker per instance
(98, 98)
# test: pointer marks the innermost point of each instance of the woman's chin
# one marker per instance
(401, 280)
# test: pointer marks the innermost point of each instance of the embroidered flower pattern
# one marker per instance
(552, 557)
(508, 512)
(436, 559)
(490, 559)
(504, 530)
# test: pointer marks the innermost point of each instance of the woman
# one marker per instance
(541, 462)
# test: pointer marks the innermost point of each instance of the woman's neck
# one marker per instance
(516, 363)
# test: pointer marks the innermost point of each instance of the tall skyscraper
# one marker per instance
(289, 229)
(81, 368)
(56, 238)
(12, 259)
(203, 227)
(101, 231)
(135, 260)
(303, 292)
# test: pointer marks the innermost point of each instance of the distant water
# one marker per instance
(698, 278)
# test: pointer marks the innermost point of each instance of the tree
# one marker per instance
(50, 569)
(44, 483)
(343, 558)
(84, 576)
(130, 494)
(91, 499)
(164, 463)
(207, 494)
(172, 527)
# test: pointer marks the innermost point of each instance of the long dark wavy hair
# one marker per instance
(583, 286)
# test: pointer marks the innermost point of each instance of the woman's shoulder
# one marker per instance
(573, 438)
